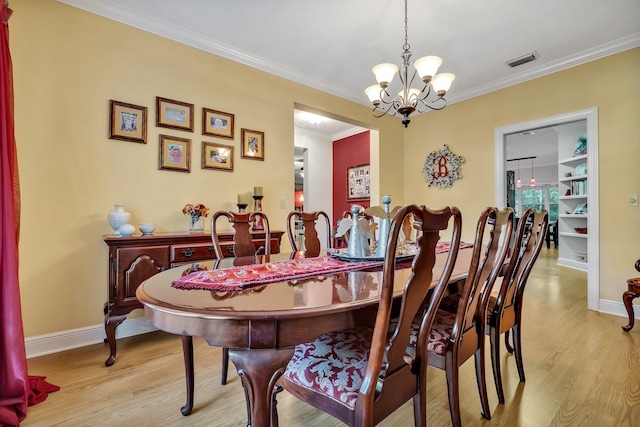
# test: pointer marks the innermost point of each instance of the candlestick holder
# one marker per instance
(241, 207)
(258, 223)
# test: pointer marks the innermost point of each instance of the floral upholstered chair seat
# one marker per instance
(439, 334)
(333, 364)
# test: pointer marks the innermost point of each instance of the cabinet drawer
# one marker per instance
(194, 252)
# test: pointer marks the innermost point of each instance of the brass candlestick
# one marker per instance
(241, 207)
(258, 223)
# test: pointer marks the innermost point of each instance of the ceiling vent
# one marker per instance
(523, 59)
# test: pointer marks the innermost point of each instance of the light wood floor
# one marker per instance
(582, 370)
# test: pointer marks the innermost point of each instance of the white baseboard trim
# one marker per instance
(617, 309)
(66, 340)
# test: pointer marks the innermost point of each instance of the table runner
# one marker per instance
(236, 278)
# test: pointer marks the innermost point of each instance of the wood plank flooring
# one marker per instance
(581, 368)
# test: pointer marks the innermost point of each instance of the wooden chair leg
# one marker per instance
(627, 298)
(481, 379)
(494, 337)
(517, 344)
(506, 342)
(225, 365)
(454, 394)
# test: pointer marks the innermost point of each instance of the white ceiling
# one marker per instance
(331, 45)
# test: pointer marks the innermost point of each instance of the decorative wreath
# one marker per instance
(442, 167)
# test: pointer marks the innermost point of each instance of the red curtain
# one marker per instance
(17, 389)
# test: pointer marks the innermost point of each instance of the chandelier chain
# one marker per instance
(406, 28)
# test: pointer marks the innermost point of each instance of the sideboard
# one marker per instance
(132, 260)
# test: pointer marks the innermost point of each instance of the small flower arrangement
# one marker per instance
(196, 211)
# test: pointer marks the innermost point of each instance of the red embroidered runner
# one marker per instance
(236, 278)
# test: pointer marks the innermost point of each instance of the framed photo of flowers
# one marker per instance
(174, 114)
(252, 144)
(217, 156)
(358, 182)
(175, 154)
(127, 122)
(217, 123)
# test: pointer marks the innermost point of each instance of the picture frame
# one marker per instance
(358, 182)
(252, 144)
(175, 154)
(217, 123)
(127, 122)
(217, 156)
(174, 114)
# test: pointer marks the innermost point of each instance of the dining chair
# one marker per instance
(628, 297)
(311, 240)
(504, 309)
(361, 374)
(242, 247)
(459, 334)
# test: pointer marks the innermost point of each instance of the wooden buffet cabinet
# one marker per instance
(133, 260)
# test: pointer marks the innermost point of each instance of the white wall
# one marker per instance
(318, 169)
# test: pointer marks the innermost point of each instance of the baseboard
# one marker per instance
(66, 340)
(60, 341)
(617, 309)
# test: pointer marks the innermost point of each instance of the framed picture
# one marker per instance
(252, 144)
(217, 156)
(358, 183)
(217, 123)
(174, 114)
(127, 122)
(175, 153)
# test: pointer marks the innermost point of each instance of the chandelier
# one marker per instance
(409, 99)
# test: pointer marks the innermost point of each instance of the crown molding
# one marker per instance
(134, 18)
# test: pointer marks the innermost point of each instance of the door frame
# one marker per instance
(593, 244)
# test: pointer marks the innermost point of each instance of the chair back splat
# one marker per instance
(312, 242)
(242, 239)
(381, 375)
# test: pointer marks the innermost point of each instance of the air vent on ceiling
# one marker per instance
(523, 59)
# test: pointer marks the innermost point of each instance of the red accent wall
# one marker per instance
(347, 152)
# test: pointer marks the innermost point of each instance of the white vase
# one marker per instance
(118, 218)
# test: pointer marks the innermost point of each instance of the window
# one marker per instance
(541, 197)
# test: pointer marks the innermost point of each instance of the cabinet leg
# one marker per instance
(110, 325)
(627, 298)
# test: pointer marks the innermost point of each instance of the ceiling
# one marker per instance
(331, 45)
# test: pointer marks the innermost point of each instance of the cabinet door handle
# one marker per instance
(212, 248)
(187, 252)
(230, 249)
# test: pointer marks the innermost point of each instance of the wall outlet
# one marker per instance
(632, 200)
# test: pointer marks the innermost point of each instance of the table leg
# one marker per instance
(187, 351)
(259, 370)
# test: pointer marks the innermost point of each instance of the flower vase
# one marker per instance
(196, 224)
(118, 218)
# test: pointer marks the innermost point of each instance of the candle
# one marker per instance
(257, 191)
(240, 199)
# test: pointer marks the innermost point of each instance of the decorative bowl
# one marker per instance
(581, 230)
(126, 230)
(146, 227)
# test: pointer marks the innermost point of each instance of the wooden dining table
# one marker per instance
(261, 324)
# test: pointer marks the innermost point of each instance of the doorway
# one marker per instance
(591, 117)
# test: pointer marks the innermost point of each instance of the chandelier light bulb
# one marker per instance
(384, 73)
(518, 183)
(427, 67)
(373, 92)
(532, 182)
(442, 82)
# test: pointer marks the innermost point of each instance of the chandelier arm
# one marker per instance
(383, 111)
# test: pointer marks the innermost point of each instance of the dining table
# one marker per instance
(262, 320)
